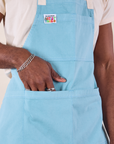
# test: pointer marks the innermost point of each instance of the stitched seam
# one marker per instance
(67, 58)
(83, 3)
(83, 21)
(52, 98)
(23, 123)
(72, 118)
(24, 117)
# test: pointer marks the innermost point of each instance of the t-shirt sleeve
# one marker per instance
(2, 7)
(108, 14)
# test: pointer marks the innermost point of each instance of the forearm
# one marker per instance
(10, 57)
(104, 74)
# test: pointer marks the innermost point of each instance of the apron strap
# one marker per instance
(41, 2)
(90, 4)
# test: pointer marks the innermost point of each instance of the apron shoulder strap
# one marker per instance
(41, 2)
(90, 4)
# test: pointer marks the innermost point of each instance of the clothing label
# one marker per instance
(50, 18)
(41, 2)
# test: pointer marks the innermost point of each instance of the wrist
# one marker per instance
(26, 63)
(20, 57)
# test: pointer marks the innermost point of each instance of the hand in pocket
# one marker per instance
(38, 74)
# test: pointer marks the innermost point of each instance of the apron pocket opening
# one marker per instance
(62, 94)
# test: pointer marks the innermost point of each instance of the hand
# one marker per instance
(38, 74)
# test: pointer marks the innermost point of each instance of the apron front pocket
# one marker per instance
(47, 118)
(87, 118)
(63, 117)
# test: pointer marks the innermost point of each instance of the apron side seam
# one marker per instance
(24, 119)
(72, 119)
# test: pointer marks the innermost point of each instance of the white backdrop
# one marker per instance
(4, 80)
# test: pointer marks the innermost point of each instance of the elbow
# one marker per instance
(108, 64)
(104, 69)
(104, 64)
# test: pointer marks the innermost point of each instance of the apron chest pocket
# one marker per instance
(62, 42)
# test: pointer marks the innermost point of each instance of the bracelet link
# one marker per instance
(26, 63)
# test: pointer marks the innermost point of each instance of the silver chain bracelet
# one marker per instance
(26, 63)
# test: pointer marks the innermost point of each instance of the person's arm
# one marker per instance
(37, 75)
(104, 74)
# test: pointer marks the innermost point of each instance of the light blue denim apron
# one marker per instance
(73, 113)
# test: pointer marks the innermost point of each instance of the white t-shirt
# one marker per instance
(20, 14)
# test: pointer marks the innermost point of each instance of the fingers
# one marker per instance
(57, 77)
(26, 86)
(49, 84)
(42, 85)
(39, 86)
(40, 80)
(32, 87)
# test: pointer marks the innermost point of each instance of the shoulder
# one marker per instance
(2, 7)
(103, 10)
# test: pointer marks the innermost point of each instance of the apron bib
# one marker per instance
(73, 113)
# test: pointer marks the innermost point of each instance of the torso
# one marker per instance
(20, 17)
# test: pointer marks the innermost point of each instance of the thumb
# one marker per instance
(56, 76)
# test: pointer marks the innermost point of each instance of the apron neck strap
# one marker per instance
(90, 4)
(41, 2)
